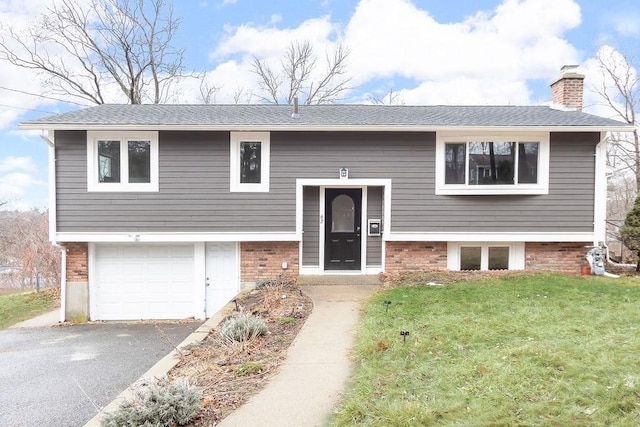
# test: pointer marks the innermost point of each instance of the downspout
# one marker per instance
(600, 191)
(52, 223)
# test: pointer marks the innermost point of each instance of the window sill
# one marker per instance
(249, 188)
(490, 190)
(123, 188)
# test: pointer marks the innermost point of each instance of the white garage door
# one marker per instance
(143, 281)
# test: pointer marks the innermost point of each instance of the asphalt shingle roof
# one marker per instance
(318, 116)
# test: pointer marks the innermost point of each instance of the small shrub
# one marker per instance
(286, 320)
(242, 327)
(158, 404)
(248, 368)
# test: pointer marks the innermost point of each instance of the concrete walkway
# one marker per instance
(312, 378)
(45, 320)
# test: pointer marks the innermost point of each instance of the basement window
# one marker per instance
(485, 256)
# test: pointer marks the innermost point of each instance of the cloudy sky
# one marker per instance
(427, 51)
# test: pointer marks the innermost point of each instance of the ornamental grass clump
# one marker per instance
(159, 404)
(242, 328)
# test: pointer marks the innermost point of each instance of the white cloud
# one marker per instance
(519, 40)
(17, 163)
(270, 41)
(17, 83)
(485, 58)
(626, 25)
(465, 91)
(598, 82)
(14, 185)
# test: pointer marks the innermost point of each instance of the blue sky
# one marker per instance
(429, 51)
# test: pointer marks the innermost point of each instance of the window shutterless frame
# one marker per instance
(462, 145)
(249, 157)
(112, 164)
(485, 255)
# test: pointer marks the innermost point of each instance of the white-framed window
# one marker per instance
(485, 256)
(122, 161)
(492, 163)
(250, 158)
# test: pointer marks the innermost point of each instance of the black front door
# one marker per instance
(343, 208)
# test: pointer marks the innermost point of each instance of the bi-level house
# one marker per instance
(166, 210)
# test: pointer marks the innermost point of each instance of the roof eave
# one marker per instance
(301, 127)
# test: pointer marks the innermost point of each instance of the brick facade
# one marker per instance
(432, 256)
(557, 257)
(77, 262)
(568, 89)
(415, 256)
(263, 260)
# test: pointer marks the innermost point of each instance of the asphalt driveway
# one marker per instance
(62, 376)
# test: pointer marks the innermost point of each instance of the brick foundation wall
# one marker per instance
(263, 260)
(415, 256)
(558, 257)
(77, 262)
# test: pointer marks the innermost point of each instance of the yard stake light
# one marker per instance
(236, 302)
(404, 334)
(387, 303)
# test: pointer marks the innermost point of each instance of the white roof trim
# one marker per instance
(586, 237)
(150, 237)
(302, 128)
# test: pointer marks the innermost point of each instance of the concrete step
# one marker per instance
(342, 279)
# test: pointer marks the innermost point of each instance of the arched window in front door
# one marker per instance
(343, 214)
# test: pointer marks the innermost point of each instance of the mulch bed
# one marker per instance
(229, 374)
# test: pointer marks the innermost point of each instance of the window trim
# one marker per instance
(93, 183)
(516, 254)
(542, 187)
(236, 138)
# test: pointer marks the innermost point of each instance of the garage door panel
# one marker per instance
(105, 252)
(181, 252)
(144, 281)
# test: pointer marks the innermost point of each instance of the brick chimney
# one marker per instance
(568, 89)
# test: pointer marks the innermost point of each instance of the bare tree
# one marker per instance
(208, 92)
(242, 95)
(25, 248)
(619, 91)
(391, 98)
(299, 75)
(83, 49)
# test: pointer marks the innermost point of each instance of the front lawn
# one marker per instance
(528, 350)
(18, 306)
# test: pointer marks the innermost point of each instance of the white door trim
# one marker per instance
(323, 184)
(199, 274)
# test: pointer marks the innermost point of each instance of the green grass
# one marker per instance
(15, 307)
(531, 350)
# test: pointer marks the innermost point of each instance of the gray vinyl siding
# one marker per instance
(374, 211)
(194, 191)
(311, 226)
(567, 208)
